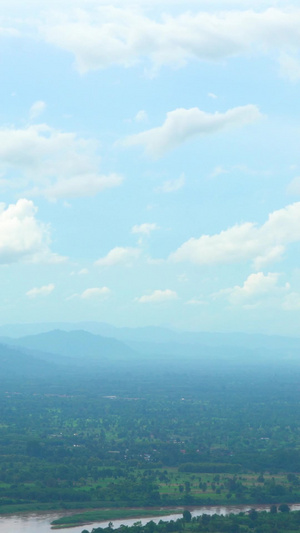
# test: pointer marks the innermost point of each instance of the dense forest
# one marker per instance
(147, 431)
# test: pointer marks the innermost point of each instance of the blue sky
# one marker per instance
(149, 163)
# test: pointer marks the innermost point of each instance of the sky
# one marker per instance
(150, 163)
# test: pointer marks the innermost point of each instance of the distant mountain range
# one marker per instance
(42, 349)
(77, 344)
(155, 335)
(16, 363)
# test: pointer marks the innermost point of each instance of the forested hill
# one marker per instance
(81, 352)
(144, 340)
(74, 344)
(16, 363)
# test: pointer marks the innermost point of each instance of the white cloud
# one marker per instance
(83, 272)
(158, 296)
(212, 95)
(95, 292)
(40, 291)
(144, 229)
(38, 6)
(172, 185)
(36, 109)
(244, 242)
(141, 116)
(244, 169)
(182, 124)
(289, 67)
(55, 164)
(241, 169)
(87, 185)
(105, 35)
(255, 287)
(196, 301)
(22, 236)
(119, 256)
(155, 262)
(217, 171)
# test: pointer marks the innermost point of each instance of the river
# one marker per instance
(41, 522)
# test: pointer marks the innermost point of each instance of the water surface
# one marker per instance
(41, 522)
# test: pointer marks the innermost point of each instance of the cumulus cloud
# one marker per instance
(244, 242)
(36, 109)
(95, 292)
(182, 124)
(144, 229)
(54, 163)
(172, 185)
(256, 286)
(40, 291)
(158, 296)
(22, 236)
(119, 256)
(105, 35)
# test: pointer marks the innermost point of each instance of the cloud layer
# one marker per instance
(109, 35)
(182, 124)
(244, 242)
(55, 164)
(255, 287)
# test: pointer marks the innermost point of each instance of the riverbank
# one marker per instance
(102, 515)
(99, 515)
(268, 520)
(41, 522)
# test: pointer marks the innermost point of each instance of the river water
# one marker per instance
(41, 522)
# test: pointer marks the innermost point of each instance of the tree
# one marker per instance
(187, 486)
(187, 516)
(284, 508)
(253, 514)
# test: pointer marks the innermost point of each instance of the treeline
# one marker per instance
(199, 468)
(278, 519)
